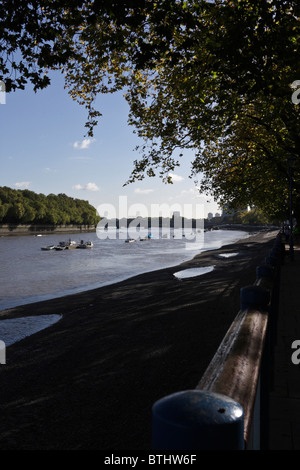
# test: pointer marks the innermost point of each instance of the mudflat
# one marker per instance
(89, 381)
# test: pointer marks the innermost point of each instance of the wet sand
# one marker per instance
(89, 381)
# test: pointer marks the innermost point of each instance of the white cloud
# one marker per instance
(87, 187)
(191, 191)
(175, 177)
(143, 191)
(83, 145)
(22, 184)
(80, 158)
(92, 187)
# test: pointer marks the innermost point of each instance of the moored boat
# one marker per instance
(71, 245)
(48, 248)
(148, 237)
(62, 246)
(83, 244)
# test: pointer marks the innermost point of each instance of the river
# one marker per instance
(29, 274)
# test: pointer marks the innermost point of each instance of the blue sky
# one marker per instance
(44, 149)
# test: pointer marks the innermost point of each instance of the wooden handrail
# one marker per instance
(237, 372)
(235, 368)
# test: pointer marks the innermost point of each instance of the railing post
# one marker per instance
(197, 420)
(254, 297)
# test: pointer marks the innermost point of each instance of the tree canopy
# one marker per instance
(212, 76)
(27, 207)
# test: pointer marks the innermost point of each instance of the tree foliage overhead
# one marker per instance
(27, 207)
(211, 76)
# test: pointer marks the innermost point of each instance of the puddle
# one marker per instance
(193, 272)
(227, 255)
(15, 329)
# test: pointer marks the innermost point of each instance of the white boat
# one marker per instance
(62, 246)
(71, 245)
(48, 248)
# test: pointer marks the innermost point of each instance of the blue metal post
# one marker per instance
(197, 420)
(265, 271)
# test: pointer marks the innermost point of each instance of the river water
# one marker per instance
(29, 274)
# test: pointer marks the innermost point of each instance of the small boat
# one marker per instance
(48, 248)
(130, 240)
(84, 245)
(62, 246)
(71, 245)
(148, 237)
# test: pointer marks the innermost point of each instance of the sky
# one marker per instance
(44, 148)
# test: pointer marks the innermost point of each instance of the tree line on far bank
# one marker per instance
(27, 207)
